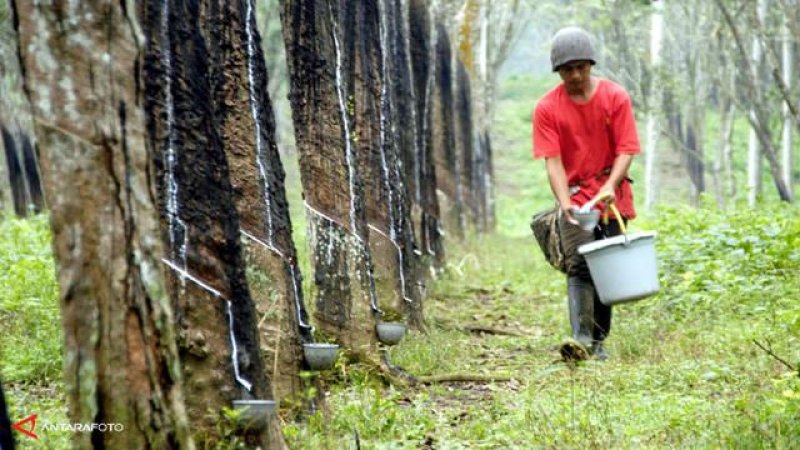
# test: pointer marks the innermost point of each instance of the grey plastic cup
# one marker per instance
(587, 220)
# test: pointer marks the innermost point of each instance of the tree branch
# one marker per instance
(768, 349)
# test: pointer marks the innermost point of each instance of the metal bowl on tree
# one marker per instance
(390, 333)
(320, 356)
(253, 414)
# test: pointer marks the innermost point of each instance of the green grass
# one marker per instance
(684, 372)
(31, 340)
(30, 344)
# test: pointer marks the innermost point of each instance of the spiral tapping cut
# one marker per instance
(345, 122)
(362, 248)
(234, 346)
(261, 159)
(176, 224)
(293, 269)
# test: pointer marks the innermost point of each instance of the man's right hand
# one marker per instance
(567, 210)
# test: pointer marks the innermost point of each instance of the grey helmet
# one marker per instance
(571, 44)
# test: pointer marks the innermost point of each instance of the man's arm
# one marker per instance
(558, 184)
(618, 171)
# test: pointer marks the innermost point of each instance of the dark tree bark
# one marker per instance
(377, 152)
(20, 183)
(121, 363)
(22, 168)
(447, 145)
(217, 320)
(17, 193)
(399, 147)
(683, 136)
(372, 142)
(468, 170)
(488, 183)
(422, 40)
(244, 115)
(6, 438)
(321, 58)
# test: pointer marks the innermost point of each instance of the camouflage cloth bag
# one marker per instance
(544, 225)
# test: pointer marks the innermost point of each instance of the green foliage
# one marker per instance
(684, 371)
(391, 314)
(31, 342)
(752, 256)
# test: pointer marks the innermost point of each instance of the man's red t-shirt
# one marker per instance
(588, 138)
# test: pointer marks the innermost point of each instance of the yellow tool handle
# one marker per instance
(619, 217)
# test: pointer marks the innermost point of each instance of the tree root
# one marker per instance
(396, 371)
(493, 330)
(477, 328)
(463, 378)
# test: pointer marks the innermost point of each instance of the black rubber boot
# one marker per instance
(580, 295)
(599, 351)
(602, 326)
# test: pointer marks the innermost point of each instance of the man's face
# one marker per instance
(576, 76)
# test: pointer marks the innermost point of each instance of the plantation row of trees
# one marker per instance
(695, 70)
(179, 280)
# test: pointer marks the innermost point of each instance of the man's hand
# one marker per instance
(606, 193)
(567, 210)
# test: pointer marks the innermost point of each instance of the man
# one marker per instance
(585, 130)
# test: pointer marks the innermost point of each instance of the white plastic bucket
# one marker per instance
(623, 268)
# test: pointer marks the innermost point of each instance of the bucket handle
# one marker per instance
(613, 208)
(617, 216)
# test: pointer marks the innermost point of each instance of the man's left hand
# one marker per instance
(606, 193)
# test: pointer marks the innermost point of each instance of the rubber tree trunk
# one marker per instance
(470, 161)
(446, 146)
(321, 58)
(21, 168)
(400, 80)
(406, 95)
(373, 143)
(422, 38)
(244, 116)
(754, 153)
(491, 206)
(20, 182)
(391, 231)
(14, 185)
(652, 130)
(6, 438)
(479, 179)
(787, 145)
(121, 362)
(216, 317)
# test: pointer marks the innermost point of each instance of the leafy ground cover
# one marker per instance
(685, 371)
